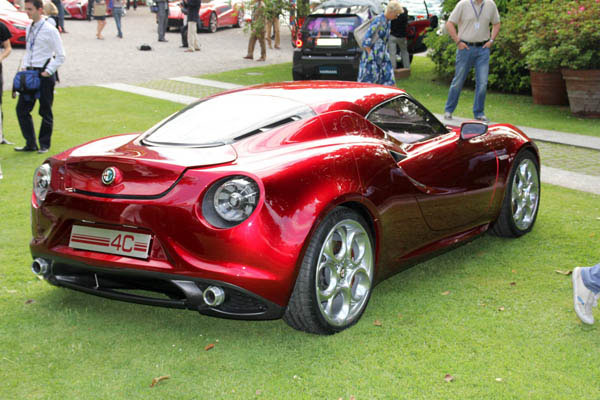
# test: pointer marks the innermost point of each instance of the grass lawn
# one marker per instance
(494, 314)
(516, 109)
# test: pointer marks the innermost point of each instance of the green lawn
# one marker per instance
(516, 109)
(505, 330)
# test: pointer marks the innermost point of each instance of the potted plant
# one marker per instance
(578, 47)
(538, 48)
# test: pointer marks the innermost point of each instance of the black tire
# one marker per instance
(240, 19)
(522, 186)
(297, 76)
(340, 276)
(213, 23)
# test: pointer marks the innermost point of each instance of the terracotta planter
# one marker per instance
(583, 87)
(548, 88)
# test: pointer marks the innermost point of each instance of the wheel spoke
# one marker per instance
(344, 273)
(525, 194)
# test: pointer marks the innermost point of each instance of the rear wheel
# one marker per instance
(521, 199)
(336, 276)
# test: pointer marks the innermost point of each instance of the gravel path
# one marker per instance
(91, 61)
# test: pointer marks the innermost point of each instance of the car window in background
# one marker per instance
(224, 119)
(406, 121)
(330, 26)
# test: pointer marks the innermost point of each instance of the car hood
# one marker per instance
(16, 17)
(139, 170)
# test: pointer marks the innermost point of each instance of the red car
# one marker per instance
(77, 9)
(16, 22)
(213, 14)
(296, 207)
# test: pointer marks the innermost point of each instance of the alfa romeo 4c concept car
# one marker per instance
(284, 200)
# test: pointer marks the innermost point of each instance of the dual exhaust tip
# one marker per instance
(213, 296)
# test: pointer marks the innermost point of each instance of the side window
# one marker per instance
(406, 120)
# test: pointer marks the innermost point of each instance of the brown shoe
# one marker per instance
(278, 48)
(248, 57)
(261, 59)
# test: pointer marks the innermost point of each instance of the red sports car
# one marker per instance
(296, 205)
(16, 22)
(213, 14)
(77, 9)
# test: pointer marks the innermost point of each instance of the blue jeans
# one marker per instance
(117, 14)
(591, 278)
(479, 58)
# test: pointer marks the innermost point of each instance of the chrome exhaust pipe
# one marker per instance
(40, 267)
(213, 296)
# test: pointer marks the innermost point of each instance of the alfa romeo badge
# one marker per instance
(109, 175)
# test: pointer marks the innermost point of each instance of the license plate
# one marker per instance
(110, 241)
(329, 42)
(328, 70)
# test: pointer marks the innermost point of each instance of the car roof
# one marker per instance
(325, 96)
(374, 6)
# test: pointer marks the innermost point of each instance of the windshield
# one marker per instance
(225, 119)
(337, 26)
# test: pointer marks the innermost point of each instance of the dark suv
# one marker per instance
(325, 45)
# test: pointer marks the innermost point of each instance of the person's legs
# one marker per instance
(392, 50)
(404, 52)
(586, 289)
(100, 28)
(24, 108)
(263, 47)
(276, 30)
(117, 13)
(251, 44)
(162, 20)
(45, 111)
(462, 68)
(482, 67)
(268, 27)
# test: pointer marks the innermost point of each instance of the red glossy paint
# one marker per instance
(16, 21)
(434, 194)
(225, 11)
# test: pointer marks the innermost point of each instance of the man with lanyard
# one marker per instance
(44, 53)
(473, 18)
(6, 49)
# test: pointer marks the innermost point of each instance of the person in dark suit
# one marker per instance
(6, 49)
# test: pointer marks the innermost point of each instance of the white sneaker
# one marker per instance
(447, 115)
(583, 298)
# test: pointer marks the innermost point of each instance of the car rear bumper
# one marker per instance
(325, 67)
(159, 289)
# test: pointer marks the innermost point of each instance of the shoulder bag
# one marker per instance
(99, 10)
(360, 32)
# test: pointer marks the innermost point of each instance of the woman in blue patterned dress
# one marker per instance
(375, 64)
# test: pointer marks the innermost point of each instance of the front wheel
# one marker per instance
(336, 276)
(521, 199)
(212, 23)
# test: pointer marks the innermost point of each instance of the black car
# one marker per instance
(325, 45)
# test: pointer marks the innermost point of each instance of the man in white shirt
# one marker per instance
(44, 53)
(473, 41)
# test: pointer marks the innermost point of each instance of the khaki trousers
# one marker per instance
(273, 24)
(261, 40)
(192, 36)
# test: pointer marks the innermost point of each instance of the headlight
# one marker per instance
(20, 27)
(230, 201)
(41, 182)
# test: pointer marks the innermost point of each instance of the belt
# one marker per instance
(35, 69)
(474, 44)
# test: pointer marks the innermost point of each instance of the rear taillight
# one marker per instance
(299, 41)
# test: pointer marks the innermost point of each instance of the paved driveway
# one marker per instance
(91, 61)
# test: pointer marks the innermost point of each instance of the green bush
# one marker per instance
(508, 70)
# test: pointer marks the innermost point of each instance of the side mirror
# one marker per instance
(472, 129)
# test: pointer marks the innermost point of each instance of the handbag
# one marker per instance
(27, 82)
(360, 32)
(99, 10)
(154, 8)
